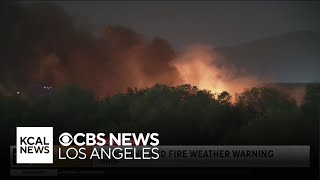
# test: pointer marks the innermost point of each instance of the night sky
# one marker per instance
(276, 41)
(211, 22)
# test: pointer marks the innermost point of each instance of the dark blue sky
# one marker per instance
(211, 22)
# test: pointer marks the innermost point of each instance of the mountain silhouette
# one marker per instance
(289, 57)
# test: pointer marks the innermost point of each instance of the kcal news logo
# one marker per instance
(34, 145)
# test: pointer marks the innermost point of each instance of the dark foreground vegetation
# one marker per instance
(181, 115)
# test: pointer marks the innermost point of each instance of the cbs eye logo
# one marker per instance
(65, 139)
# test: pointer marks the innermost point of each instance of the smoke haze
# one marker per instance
(42, 46)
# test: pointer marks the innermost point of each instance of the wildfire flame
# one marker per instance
(201, 66)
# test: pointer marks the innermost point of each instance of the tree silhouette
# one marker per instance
(181, 115)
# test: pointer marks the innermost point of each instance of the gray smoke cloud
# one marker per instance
(42, 45)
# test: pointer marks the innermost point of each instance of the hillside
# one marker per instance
(290, 57)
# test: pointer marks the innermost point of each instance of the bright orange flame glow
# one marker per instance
(202, 67)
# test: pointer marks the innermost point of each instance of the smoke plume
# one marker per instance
(41, 45)
(44, 47)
